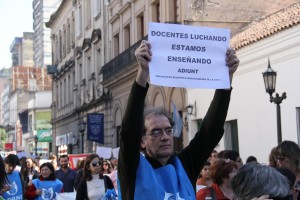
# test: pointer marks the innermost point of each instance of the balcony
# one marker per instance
(120, 62)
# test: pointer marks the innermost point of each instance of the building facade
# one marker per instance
(78, 31)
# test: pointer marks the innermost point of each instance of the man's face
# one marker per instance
(9, 168)
(64, 162)
(161, 146)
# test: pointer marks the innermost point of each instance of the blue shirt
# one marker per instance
(16, 190)
(67, 178)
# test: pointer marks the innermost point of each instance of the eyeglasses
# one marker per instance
(158, 132)
(280, 158)
(94, 164)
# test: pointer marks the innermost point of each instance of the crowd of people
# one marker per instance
(26, 179)
(226, 177)
(148, 167)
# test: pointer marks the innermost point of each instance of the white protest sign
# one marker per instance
(188, 56)
(104, 152)
(115, 152)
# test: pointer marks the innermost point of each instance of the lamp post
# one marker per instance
(81, 128)
(190, 108)
(36, 139)
(270, 82)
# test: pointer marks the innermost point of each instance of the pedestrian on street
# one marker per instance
(94, 184)
(15, 189)
(158, 173)
(46, 186)
(65, 174)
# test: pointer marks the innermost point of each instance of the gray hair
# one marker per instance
(254, 180)
(159, 111)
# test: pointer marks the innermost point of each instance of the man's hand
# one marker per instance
(143, 56)
(232, 62)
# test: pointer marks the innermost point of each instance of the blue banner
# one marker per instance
(95, 127)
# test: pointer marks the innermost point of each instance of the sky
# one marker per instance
(15, 18)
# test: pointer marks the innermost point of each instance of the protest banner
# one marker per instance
(73, 158)
(188, 56)
(104, 152)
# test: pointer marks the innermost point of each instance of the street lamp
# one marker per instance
(190, 108)
(270, 82)
(81, 128)
(36, 139)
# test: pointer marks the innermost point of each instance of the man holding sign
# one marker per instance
(159, 173)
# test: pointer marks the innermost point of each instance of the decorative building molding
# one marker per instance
(86, 44)
(96, 35)
(78, 52)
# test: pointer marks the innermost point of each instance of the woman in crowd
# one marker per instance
(94, 183)
(288, 156)
(205, 179)
(3, 178)
(46, 186)
(254, 181)
(106, 167)
(222, 171)
(28, 172)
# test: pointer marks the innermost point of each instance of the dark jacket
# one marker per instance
(192, 157)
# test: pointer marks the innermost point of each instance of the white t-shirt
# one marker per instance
(95, 188)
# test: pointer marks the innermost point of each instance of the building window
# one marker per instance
(60, 95)
(116, 45)
(73, 31)
(173, 14)
(199, 123)
(156, 12)
(57, 96)
(97, 8)
(79, 21)
(89, 66)
(87, 13)
(69, 89)
(68, 36)
(231, 135)
(80, 72)
(64, 97)
(98, 58)
(60, 45)
(64, 41)
(140, 26)
(127, 37)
